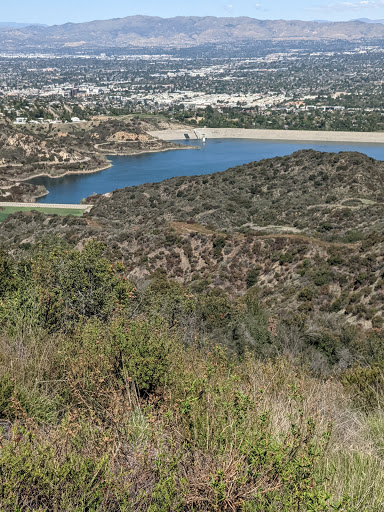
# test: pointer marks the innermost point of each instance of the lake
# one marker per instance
(215, 155)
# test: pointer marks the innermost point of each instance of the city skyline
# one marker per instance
(48, 13)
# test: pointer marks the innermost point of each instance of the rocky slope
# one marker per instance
(55, 150)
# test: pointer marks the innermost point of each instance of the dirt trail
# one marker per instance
(184, 228)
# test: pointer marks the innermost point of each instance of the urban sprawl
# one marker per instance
(270, 85)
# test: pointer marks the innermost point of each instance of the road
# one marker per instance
(85, 207)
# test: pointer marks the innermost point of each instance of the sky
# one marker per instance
(50, 12)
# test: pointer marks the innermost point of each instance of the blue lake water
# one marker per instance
(215, 155)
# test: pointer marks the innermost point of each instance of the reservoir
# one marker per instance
(215, 155)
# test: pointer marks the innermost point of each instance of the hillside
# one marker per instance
(141, 31)
(221, 350)
(119, 398)
(306, 229)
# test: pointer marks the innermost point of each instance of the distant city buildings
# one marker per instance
(270, 79)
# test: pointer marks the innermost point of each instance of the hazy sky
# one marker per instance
(51, 12)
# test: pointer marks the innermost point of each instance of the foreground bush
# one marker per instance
(114, 398)
(201, 444)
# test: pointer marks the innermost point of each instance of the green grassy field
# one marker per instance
(8, 210)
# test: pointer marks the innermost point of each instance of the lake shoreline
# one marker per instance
(92, 171)
(270, 135)
(216, 155)
(66, 173)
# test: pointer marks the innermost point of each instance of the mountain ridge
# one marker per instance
(13, 25)
(368, 20)
(185, 31)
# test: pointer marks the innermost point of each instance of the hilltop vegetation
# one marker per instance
(122, 397)
(306, 229)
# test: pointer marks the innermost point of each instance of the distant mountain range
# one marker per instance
(144, 31)
(367, 20)
(11, 24)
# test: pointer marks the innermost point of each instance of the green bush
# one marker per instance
(253, 276)
(65, 286)
(37, 475)
(145, 352)
(366, 386)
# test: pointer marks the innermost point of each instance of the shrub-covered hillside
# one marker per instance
(156, 397)
(306, 229)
